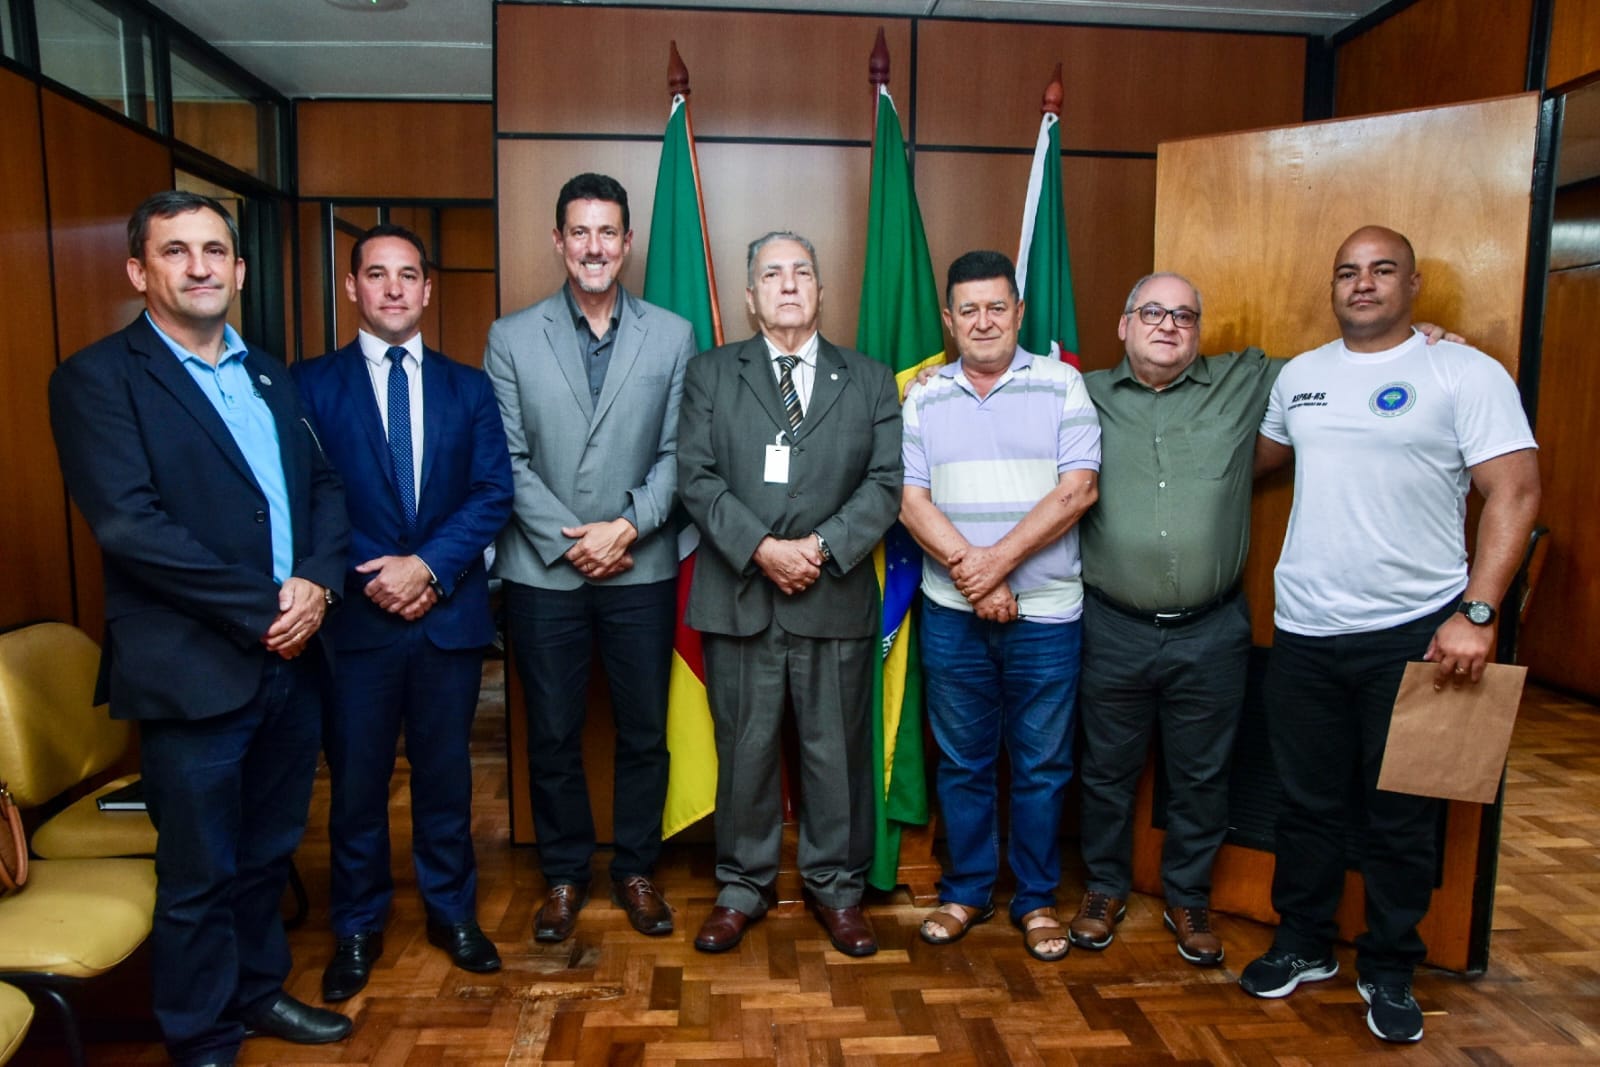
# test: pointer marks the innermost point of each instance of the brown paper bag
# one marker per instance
(1451, 743)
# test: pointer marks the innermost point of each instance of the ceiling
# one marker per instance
(444, 48)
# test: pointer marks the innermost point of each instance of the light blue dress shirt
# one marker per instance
(237, 398)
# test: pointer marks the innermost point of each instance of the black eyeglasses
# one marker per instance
(1152, 314)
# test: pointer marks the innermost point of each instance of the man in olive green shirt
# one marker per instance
(1166, 633)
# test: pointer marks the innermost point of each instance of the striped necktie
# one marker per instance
(405, 479)
(787, 391)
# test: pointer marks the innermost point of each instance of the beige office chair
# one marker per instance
(47, 678)
(76, 918)
(16, 1014)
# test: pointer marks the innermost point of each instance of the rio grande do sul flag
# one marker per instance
(678, 277)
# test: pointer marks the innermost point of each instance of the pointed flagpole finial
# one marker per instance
(677, 74)
(878, 65)
(1053, 95)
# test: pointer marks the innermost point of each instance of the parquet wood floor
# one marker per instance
(785, 997)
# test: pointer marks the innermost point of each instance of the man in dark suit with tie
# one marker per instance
(417, 440)
(792, 482)
(223, 532)
(588, 382)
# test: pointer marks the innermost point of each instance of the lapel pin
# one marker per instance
(833, 377)
(263, 379)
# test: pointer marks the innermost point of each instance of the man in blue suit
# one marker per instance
(418, 442)
(223, 534)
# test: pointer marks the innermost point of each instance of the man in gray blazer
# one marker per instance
(792, 482)
(588, 382)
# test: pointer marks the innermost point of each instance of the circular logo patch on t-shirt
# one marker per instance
(1393, 399)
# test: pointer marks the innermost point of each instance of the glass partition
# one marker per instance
(99, 51)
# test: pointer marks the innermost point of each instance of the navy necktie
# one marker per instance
(405, 479)
(787, 392)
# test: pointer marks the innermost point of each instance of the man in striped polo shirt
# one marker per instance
(1002, 454)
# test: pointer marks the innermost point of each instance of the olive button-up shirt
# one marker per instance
(1172, 526)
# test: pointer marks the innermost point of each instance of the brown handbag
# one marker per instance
(13, 845)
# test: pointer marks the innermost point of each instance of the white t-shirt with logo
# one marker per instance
(1383, 442)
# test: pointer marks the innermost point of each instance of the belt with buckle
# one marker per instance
(1167, 620)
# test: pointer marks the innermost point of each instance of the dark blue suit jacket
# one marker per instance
(182, 523)
(465, 497)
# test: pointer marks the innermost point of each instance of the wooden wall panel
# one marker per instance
(1435, 52)
(1110, 205)
(227, 129)
(467, 238)
(465, 300)
(1574, 41)
(34, 554)
(752, 74)
(816, 190)
(1563, 627)
(89, 208)
(1256, 218)
(313, 281)
(1126, 89)
(354, 149)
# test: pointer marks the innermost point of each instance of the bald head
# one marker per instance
(1375, 284)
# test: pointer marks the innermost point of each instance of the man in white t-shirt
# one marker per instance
(1387, 433)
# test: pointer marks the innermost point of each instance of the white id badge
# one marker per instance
(777, 469)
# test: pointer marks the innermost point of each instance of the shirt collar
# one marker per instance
(1198, 371)
(376, 350)
(807, 353)
(232, 344)
(1021, 360)
(579, 319)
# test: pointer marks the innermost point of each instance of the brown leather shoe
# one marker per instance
(646, 910)
(1196, 942)
(558, 915)
(723, 929)
(1096, 920)
(848, 929)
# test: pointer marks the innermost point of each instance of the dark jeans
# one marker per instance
(1328, 706)
(989, 684)
(552, 633)
(228, 796)
(1189, 681)
(431, 693)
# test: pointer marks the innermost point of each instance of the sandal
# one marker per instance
(953, 926)
(1034, 936)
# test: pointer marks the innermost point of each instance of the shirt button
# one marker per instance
(261, 516)
(1161, 485)
(1163, 533)
(1158, 439)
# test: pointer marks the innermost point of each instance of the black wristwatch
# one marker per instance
(1477, 612)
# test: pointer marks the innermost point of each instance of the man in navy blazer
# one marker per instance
(418, 441)
(223, 533)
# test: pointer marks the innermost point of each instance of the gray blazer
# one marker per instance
(576, 459)
(844, 483)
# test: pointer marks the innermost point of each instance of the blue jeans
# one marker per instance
(990, 682)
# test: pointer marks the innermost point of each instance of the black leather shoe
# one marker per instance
(466, 946)
(351, 965)
(290, 1020)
